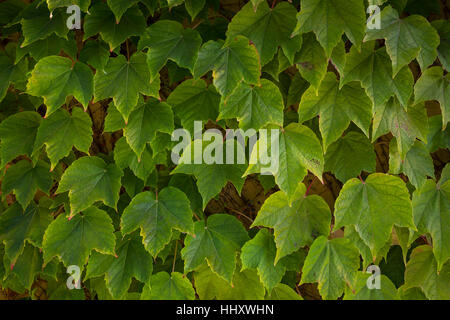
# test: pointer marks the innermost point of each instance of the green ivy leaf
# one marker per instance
(422, 272)
(299, 151)
(164, 286)
(119, 7)
(25, 179)
(135, 77)
(193, 101)
(95, 53)
(333, 264)
(193, 7)
(443, 28)
(169, 40)
(83, 4)
(254, 106)
(156, 216)
(132, 261)
(431, 210)
(417, 164)
(125, 157)
(16, 129)
(373, 68)
(41, 24)
(295, 223)
(418, 39)
(330, 19)
(259, 253)
(267, 28)
(350, 155)
(387, 290)
(283, 292)
(90, 179)
(433, 85)
(406, 126)
(55, 78)
(72, 240)
(231, 62)
(10, 72)
(61, 131)
(311, 60)
(211, 178)
(363, 205)
(217, 242)
(245, 285)
(145, 120)
(102, 20)
(336, 108)
(18, 226)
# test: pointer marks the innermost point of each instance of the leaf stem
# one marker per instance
(241, 214)
(273, 4)
(128, 51)
(174, 256)
(309, 187)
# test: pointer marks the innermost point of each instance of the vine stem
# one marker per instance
(363, 182)
(241, 214)
(273, 3)
(128, 51)
(175, 256)
(309, 187)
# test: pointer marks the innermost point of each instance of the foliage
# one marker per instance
(86, 156)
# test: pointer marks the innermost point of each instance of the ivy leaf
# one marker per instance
(72, 240)
(24, 179)
(283, 292)
(387, 290)
(95, 53)
(16, 129)
(41, 24)
(83, 4)
(169, 40)
(193, 101)
(311, 61)
(60, 132)
(27, 266)
(157, 216)
(55, 78)
(443, 29)
(267, 28)
(259, 253)
(330, 19)
(336, 107)
(135, 77)
(422, 272)
(299, 151)
(406, 126)
(193, 7)
(231, 62)
(373, 68)
(132, 261)
(418, 39)
(333, 264)
(119, 7)
(295, 223)
(18, 226)
(211, 178)
(417, 164)
(244, 286)
(10, 72)
(363, 205)
(102, 20)
(113, 120)
(217, 241)
(168, 287)
(90, 179)
(350, 155)
(431, 210)
(125, 157)
(146, 119)
(254, 106)
(433, 85)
